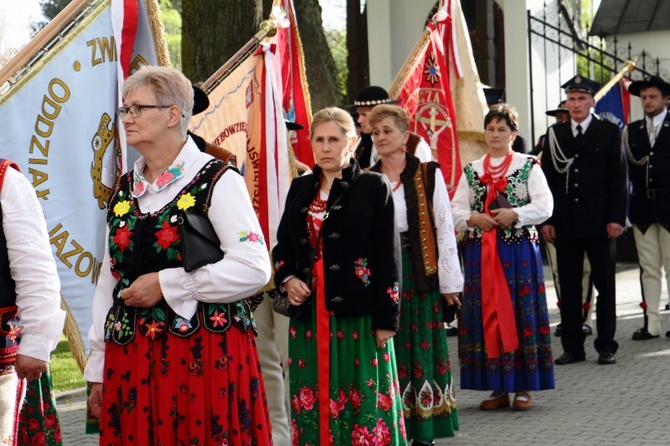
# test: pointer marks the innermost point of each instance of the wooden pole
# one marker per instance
(268, 29)
(69, 13)
(629, 66)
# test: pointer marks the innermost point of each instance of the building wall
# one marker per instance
(394, 27)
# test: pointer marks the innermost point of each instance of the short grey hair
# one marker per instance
(170, 87)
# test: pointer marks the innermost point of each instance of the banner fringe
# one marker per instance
(73, 335)
(158, 31)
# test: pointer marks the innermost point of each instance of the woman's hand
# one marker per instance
(452, 299)
(297, 291)
(505, 218)
(95, 399)
(483, 221)
(145, 292)
(383, 336)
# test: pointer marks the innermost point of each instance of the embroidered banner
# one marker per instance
(425, 93)
(58, 123)
(615, 105)
(245, 117)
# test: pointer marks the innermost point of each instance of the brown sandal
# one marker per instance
(522, 401)
(497, 400)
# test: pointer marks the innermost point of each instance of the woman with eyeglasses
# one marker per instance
(173, 359)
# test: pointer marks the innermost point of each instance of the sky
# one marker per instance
(15, 18)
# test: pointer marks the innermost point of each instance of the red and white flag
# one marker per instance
(245, 117)
(289, 68)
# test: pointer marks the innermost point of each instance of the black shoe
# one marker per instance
(667, 306)
(423, 443)
(452, 331)
(606, 358)
(642, 335)
(667, 334)
(569, 358)
(586, 329)
(559, 330)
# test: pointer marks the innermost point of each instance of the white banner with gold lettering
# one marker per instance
(58, 122)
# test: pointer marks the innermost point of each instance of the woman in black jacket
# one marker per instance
(338, 258)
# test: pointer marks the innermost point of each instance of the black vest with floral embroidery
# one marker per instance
(516, 193)
(145, 243)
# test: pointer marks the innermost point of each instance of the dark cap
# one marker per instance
(292, 125)
(650, 81)
(561, 108)
(200, 101)
(579, 83)
(371, 96)
(494, 95)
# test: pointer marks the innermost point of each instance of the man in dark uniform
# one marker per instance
(562, 114)
(586, 170)
(647, 144)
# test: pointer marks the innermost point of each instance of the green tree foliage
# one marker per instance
(337, 42)
(51, 8)
(171, 18)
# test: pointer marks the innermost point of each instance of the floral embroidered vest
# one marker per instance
(516, 193)
(145, 243)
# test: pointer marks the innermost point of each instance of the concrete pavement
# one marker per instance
(622, 404)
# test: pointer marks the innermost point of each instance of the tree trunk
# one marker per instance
(319, 63)
(213, 31)
(357, 49)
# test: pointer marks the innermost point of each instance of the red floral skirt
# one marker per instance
(205, 389)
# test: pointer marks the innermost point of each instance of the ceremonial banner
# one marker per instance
(615, 105)
(466, 90)
(245, 117)
(289, 69)
(423, 87)
(58, 122)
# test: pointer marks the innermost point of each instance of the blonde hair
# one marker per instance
(397, 114)
(339, 116)
(169, 86)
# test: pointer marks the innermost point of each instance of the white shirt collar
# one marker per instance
(657, 120)
(181, 163)
(585, 124)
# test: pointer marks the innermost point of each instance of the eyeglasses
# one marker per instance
(135, 110)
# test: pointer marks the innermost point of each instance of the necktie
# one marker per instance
(579, 132)
(652, 134)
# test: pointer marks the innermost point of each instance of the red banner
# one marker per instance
(425, 94)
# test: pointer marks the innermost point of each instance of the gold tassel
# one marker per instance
(73, 335)
(158, 32)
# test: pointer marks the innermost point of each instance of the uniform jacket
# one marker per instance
(361, 248)
(594, 191)
(650, 198)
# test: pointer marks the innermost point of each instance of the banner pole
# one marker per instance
(69, 13)
(268, 29)
(629, 66)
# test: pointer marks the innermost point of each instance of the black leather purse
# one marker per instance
(200, 244)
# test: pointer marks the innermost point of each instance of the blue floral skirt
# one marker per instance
(529, 368)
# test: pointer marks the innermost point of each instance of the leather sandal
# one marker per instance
(497, 400)
(522, 401)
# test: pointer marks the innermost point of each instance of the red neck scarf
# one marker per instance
(497, 309)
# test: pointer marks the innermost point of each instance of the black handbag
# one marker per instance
(200, 244)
